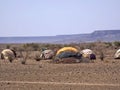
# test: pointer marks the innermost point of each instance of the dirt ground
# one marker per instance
(43, 75)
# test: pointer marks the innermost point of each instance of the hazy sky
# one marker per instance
(56, 17)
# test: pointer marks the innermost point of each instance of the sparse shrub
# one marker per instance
(89, 45)
(117, 44)
(23, 62)
(24, 57)
(108, 44)
(8, 46)
(34, 46)
(26, 53)
(27, 47)
(102, 56)
(82, 47)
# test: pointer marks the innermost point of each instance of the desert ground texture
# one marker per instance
(45, 75)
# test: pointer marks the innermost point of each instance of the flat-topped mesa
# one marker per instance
(105, 32)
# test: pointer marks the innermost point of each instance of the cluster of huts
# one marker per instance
(65, 54)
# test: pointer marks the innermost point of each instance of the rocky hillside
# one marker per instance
(104, 35)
